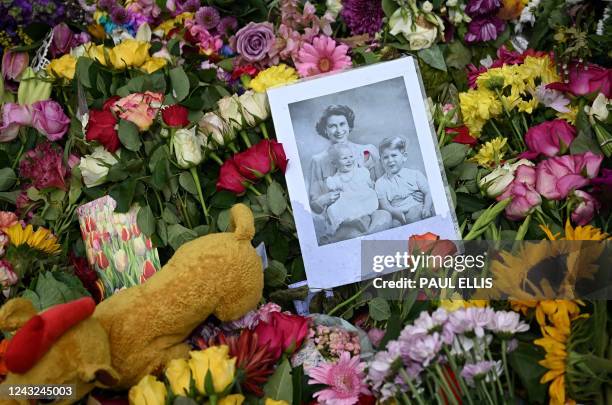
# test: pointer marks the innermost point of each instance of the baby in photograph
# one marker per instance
(357, 199)
(403, 192)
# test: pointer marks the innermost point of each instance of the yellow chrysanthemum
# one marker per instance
(455, 302)
(569, 116)
(477, 107)
(491, 152)
(42, 239)
(273, 77)
(168, 25)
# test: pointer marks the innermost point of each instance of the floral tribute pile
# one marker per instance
(163, 104)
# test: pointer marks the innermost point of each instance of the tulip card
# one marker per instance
(116, 248)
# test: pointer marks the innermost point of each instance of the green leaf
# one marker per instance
(453, 154)
(275, 198)
(146, 220)
(9, 196)
(129, 136)
(394, 327)
(52, 292)
(124, 194)
(223, 220)
(178, 235)
(162, 232)
(524, 362)
(433, 57)
(169, 216)
(458, 55)
(180, 83)
(379, 309)
(275, 274)
(223, 199)
(280, 385)
(186, 181)
(82, 71)
(33, 297)
(389, 7)
(159, 176)
(226, 64)
(7, 178)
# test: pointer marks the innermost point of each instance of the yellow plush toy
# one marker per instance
(146, 326)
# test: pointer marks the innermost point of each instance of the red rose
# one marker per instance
(175, 116)
(461, 135)
(278, 155)
(230, 178)
(283, 333)
(255, 162)
(430, 244)
(249, 70)
(108, 104)
(101, 128)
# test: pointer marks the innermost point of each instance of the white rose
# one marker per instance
(255, 107)
(421, 36)
(94, 167)
(187, 148)
(496, 182)
(212, 126)
(333, 7)
(599, 109)
(229, 110)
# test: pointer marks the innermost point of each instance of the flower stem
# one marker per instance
(216, 158)
(406, 378)
(253, 189)
(245, 138)
(504, 348)
(172, 131)
(264, 130)
(18, 155)
(445, 386)
(196, 178)
(232, 147)
(345, 303)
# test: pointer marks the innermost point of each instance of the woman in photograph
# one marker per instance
(336, 124)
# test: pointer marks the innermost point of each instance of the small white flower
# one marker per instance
(427, 7)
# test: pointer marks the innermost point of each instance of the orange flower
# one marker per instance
(511, 9)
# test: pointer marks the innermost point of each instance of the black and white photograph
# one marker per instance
(364, 170)
(363, 165)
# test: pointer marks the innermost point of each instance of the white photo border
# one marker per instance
(339, 263)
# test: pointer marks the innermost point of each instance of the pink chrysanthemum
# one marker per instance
(345, 380)
(324, 55)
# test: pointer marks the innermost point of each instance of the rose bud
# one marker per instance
(62, 40)
(102, 128)
(585, 208)
(549, 138)
(254, 107)
(13, 64)
(49, 118)
(494, 183)
(230, 178)
(175, 116)
(255, 162)
(187, 148)
(278, 155)
(229, 110)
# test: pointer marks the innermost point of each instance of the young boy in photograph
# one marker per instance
(403, 192)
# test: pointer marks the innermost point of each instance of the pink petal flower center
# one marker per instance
(325, 65)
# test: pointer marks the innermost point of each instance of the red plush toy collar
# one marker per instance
(36, 337)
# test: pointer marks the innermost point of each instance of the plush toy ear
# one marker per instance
(242, 222)
(103, 376)
(15, 313)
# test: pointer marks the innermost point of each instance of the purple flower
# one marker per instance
(49, 118)
(506, 323)
(376, 335)
(523, 192)
(227, 25)
(208, 17)
(254, 41)
(459, 322)
(13, 64)
(106, 5)
(557, 176)
(480, 318)
(481, 7)
(585, 209)
(44, 166)
(477, 371)
(418, 347)
(62, 40)
(13, 117)
(362, 16)
(482, 29)
(120, 16)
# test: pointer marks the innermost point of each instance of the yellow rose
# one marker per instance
(179, 376)
(63, 67)
(97, 52)
(234, 399)
(221, 367)
(149, 391)
(153, 64)
(275, 402)
(129, 53)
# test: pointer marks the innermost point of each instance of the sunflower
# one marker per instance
(42, 239)
(579, 233)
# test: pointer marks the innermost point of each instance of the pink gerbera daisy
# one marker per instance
(345, 380)
(324, 55)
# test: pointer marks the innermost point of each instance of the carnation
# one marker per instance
(44, 166)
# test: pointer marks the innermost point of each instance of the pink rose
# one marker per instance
(139, 108)
(588, 79)
(48, 118)
(522, 190)
(550, 138)
(559, 175)
(585, 209)
(13, 117)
